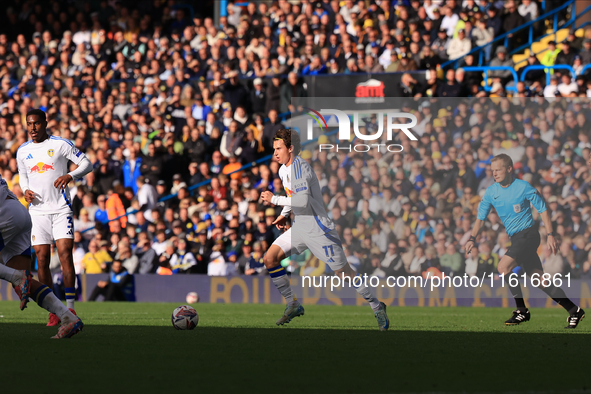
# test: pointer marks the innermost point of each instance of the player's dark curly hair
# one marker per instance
(37, 112)
(290, 137)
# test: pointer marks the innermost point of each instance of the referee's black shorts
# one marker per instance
(524, 249)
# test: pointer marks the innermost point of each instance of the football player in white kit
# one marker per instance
(44, 177)
(312, 228)
(15, 262)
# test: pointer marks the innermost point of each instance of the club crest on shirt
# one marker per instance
(517, 208)
(50, 152)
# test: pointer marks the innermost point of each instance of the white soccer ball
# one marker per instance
(192, 298)
(185, 317)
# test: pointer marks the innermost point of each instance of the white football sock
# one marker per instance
(11, 275)
(53, 305)
(281, 282)
(365, 293)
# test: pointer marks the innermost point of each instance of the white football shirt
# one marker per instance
(304, 197)
(41, 164)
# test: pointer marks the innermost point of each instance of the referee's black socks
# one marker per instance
(558, 295)
(518, 295)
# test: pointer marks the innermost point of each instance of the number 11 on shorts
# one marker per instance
(326, 248)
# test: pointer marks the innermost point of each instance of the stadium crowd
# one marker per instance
(163, 104)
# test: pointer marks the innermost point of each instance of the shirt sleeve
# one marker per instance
(484, 207)
(72, 153)
(286, 211)
(534, 196)
(23, 178)
(84, 167)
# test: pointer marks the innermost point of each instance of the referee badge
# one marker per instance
(517, 208)
(50, 152)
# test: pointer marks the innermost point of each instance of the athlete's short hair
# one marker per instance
(507, 162)
(37, 112)
(289, 137)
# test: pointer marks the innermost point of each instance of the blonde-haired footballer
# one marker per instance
(312, 228)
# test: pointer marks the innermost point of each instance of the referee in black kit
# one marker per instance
(511, 199)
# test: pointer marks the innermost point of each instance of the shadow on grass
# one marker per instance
(140, 359)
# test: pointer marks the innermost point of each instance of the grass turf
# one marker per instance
(133, 348)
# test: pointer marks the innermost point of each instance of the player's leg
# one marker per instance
(43, 253)
(40, 292)
(41, 239)
(279, 250)
(330, 250)
(64, 250)
(533, 265)
(15, 237)
(63, 233)
(20, 280)
(17, 255)
(506, 265)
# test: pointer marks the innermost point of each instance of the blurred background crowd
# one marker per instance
(169, 106)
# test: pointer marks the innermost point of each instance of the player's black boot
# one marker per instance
(574, 319)
(519, 316)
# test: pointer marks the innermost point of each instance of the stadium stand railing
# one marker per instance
(585, 68)
(546, 69)
(558, 37)
(486, 69)
(506, 37)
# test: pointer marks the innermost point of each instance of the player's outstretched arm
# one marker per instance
(472, 241)
(298, 200)
(84, 167)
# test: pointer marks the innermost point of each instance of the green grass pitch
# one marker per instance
(133, 348)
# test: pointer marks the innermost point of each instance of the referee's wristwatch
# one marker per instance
(550, 234)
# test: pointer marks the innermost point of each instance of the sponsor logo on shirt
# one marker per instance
(40, 168)
(288, 192)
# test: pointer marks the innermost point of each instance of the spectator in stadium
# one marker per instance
(459, 47)
(565, 56)
(289, 90)
(451, 88)
(552, 89)
(528, 9)
(119, 287)
(502, 59)
(512, 20)
(132, 170)
(96, 261)
(567, 85)
(441, 44)
(482, 35)
(146, 254)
